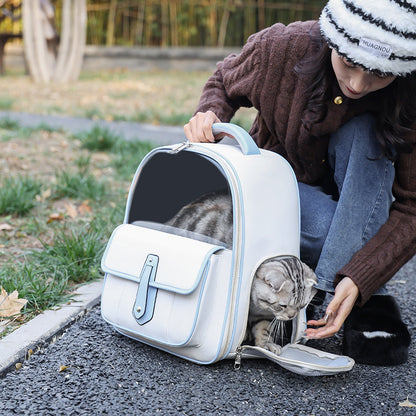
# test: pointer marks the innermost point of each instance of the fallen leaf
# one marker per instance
(71, 210)
(62, 368)
(10, 304)
(18, 366)
(44, 195)
(84, 208)
(55, 217)
(407, 403)
(6, 227)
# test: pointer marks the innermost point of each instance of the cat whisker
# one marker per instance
(277, 331)
(271, 329)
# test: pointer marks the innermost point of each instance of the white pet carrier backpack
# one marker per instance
(191, 297)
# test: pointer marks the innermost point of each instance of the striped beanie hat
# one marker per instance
(377, 35)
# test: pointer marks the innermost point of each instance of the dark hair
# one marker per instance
(397, 110)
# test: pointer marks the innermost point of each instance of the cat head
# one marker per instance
(282, 286)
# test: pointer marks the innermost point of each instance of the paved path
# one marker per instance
(128, 130)
(109, 374)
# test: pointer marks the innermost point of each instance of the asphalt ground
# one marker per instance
(106, 373)
(86, 368)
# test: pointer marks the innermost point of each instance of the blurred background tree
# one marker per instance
(179, 22)
(53, 55)
(190, 22)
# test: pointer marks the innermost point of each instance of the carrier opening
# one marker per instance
(168, 181)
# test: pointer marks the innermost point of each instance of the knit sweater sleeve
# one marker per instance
(395, 242)
(239, 78)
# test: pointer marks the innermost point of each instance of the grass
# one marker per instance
(126, 155)
(79, 184)
(18, 195)
(75, 251)
(6, 103)
(55, 223)
(62, 195)
(98, 139)
(42, 289)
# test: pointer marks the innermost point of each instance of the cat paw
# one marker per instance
(274, 348)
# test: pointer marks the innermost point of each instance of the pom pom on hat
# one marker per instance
(378, 35)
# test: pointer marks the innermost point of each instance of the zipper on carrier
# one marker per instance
(237, 359)
(180, 147)
(223, 164)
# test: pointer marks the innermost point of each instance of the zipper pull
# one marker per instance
(237, 360)
(180, 147)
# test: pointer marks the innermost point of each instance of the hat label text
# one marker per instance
(376, 48)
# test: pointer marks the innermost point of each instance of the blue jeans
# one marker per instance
(333, 230)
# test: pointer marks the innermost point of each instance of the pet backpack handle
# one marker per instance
(247, 144)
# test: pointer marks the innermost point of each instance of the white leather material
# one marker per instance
(191, 283)
(196, 294)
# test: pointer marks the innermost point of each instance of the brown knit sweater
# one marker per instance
(263, 76)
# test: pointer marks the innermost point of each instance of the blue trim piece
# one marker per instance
(245, 141)
(145, 299)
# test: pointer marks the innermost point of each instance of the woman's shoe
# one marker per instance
(375, 333)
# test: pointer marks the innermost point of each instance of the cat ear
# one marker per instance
(280, 288)
(275, 280)
(310, 282)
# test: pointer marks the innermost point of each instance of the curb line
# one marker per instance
(42, 328)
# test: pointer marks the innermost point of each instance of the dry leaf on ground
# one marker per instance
(71, 210)
(407, 403)
(10, 304)
(44, 195)
(84, 208)
(55, 217)
(6, 227)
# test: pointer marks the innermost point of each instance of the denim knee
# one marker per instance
(317, 211)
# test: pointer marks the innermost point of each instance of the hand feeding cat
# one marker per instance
(282, 285)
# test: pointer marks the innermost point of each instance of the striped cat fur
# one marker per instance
(282, 285)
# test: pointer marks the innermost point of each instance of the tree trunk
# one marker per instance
(44, 62)
(224, 24)
(111, 22)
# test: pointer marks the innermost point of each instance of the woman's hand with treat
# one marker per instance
(346, 293)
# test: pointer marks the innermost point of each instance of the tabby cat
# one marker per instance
(282, 285)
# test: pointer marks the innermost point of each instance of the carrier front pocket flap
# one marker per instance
(178, 262)
(156, 284)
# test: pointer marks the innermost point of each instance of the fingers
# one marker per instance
(329, 325)
(346, 293)
(199, 128)
(322, 321)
